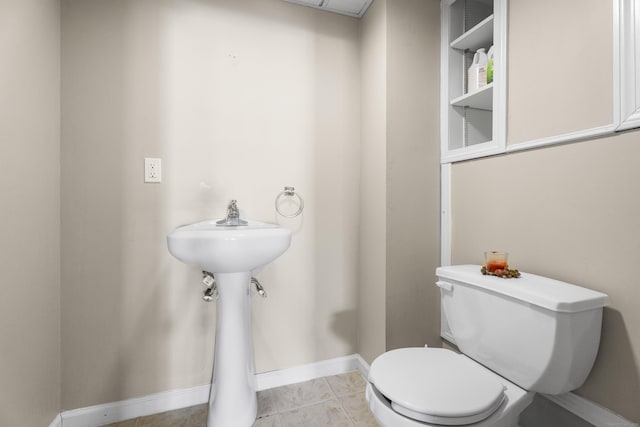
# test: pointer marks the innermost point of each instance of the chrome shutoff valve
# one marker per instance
(259, 287)
(211, 290)
(207, 279)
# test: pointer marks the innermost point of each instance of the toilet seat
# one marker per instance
(437, 386)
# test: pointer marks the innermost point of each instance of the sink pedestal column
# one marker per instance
(233, 401)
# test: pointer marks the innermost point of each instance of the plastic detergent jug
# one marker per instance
(477, 74)
(490, 65)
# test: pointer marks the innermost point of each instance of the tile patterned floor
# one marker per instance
(335, 401)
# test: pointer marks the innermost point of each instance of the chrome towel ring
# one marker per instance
(289, 192)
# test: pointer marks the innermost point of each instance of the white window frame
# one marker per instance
(629, 64)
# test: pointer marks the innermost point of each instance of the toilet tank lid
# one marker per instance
(541, 291)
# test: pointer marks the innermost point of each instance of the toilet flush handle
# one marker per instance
(446, 286)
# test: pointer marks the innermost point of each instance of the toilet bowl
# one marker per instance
(517, 337)
(414, 387)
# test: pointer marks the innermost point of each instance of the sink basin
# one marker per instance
(231, 249)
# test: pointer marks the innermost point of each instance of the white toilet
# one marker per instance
(518, 337)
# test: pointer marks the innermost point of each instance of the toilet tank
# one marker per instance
(539, 333)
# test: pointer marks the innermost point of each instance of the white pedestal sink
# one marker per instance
(231, 253)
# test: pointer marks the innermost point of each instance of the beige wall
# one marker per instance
(413, 173)
(373, 176)
(30, 214)
(399, 210)
(239, 99)
(559, 66)
(568, 212)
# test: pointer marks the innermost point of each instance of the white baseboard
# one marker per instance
(339, 365)
(589, 411)
(176, 399)
(138, 407)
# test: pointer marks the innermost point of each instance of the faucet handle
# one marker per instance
(233, 216)
(232, 209)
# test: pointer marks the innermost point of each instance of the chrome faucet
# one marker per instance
(233, 216)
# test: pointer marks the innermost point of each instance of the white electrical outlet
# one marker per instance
(152, 170)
